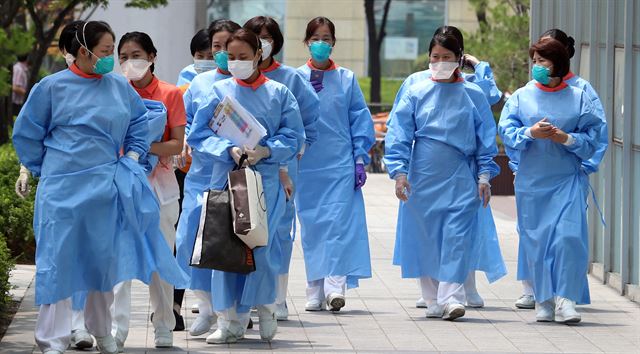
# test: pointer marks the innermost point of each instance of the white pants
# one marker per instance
(441, 293)
(77, 321)
(318, 290)
(237, 323)
(205, 307)
(470, 283)
(160, 292)
(53, 327)
(281, 295)
(527, 287)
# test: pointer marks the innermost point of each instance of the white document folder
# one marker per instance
(232, 121)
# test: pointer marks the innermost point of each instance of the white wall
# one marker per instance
(171, 29)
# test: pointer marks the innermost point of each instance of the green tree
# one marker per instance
(503, 41)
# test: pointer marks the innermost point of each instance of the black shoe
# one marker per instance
(250, 325)
(179, 321)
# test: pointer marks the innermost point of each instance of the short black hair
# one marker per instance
(23, 57)
(67, 35)
(88, 34)
(200, 42)
(562, 37)
(143, 40)
(249, 37)
(448, 41)
(220, 26)
(257, 23)
(554, 51)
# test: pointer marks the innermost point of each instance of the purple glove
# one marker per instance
(361, 176)
(317, 85)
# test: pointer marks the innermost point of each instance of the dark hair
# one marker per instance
(222, 26)
(562, 37)
(23, 57)
(448, 41)
(248, 37)
(143, 40)
(200, 41)
(90, 37)
(452, 30)
(67, 35)
(554, 51)
(257, 23)
(316, 23)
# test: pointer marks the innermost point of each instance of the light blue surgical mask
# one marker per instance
(541, 74)
(222, 59)
(320, 51)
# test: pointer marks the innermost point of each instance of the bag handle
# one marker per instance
(243, 159)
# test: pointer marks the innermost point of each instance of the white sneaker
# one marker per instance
(195, 308)
(526, 302)
(268, 326)
(282, 312)
(421, 304)
(544, 311)
(224, 336)
(335, 301)
(81, 339)
(106, 345)
(120, 345)
(453, 311)
(435, 311)
(314, 306)
(163, 338)
(475, 300)
(566, 311)
(202, 325)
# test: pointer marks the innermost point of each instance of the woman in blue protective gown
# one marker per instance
(491, 258)
(590, 166)
(439, 148)
(198, 177)
(329, 198)
(96, 219)
(554, 128)
(275, 107)
(272, 40)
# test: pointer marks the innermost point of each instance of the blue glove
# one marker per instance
(361, 176)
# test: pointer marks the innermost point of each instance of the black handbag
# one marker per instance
(217, 246)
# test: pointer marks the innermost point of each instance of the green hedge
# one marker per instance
(6, 265)
(16, 219)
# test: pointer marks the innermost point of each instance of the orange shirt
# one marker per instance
(171, 96)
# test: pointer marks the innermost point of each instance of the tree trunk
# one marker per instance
(375, 44)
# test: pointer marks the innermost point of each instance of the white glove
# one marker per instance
(22, 183)
(484, 189)
(132, 155)
(257, 154)
(301, 152)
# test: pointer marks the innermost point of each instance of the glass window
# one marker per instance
(634, 243)
(584, 63)
(634, 105)
(619, 75)
(616, 224)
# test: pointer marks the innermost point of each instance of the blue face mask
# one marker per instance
(320, 51)
(222, 59)
(541, 74)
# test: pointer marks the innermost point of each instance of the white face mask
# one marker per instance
(266, 48)
(241, 69)
(135, 69)
(69, 58)
(443, 70)
(201, 66)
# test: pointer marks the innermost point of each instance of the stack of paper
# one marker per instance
(232, 121)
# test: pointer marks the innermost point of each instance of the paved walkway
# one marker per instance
(380, 316)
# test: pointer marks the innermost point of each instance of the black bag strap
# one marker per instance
(243, 159)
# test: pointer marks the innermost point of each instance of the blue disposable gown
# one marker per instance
(309, 110)
(276, 109)
(442, 135)
(186, 75)
(157, 120)
(551, 188)
(96, 219)
(195, 183)
(331, 211)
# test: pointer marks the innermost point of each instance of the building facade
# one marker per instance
(607, 34)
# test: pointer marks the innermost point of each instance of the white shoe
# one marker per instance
(282, 312)
(224, 336)
(566, 311)
(107, 345)
(335, 301)
(475, 300)
(453, 311)
(544, 311)
(268, 325)
(195, 308)
(163, 338)
(120, 345)
(421, 304)
(435, 311)
(526, 302)
(81, 339)
(314, 306)
(202, 325)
